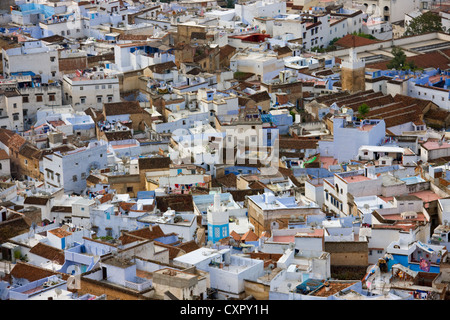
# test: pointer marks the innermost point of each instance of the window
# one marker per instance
(81, 88)
(129, 189)
(15, 105)
(217, 232)
(83, 100)
(83, 176)
(52, 59)
(99, 99)
(25, 99)
(75, 178)
(39, 98)
(51, 97)
(16, 116)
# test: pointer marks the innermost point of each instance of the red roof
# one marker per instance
(432, 59)
(352, 41)
(249, 236)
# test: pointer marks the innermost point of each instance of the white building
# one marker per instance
(11, 112)
(349, 136)
(267, 8)
(227, 271)
(70, 169)
(265, 66)
(90, 89)
(22, 60)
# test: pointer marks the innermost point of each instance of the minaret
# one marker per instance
(218, 223)
(353, 72)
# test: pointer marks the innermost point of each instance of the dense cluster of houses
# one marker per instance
(197, 150)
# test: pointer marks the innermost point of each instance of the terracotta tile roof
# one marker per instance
(123, 107)
(256, 185)
(13, 227)
(240, 195)
(154, 163)
(49, 252)
(162, 67)
(41, 201)
(29, 151)
(10, 138)
(352, 41)
(53, 39)
(60, 232)
(283, 50)
(93, 179)
(235, 235)
(133, 37)
(174, 251)
(126, 206)
(32, 273)
(297, 144)
(67, 209)
(145, 233)
(3, 155)
(118, 135)
(96, 115)
(179, 202)
(189, 246)
(410, 100)
(397, 114)
(226, 50)
(107, 197)
(249, 236)
(427, 60)
(228, 180)
(260, 96)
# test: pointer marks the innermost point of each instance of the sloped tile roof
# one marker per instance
(154, 163)
(41, 201)
(23, 270)
(13, 227)
(49, 252)
(123, 107)
(352, 41)
(249, 236)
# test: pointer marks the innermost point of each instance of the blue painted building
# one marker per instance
(417, 256)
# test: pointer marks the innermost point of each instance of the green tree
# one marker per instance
(399, 59)
(363, 110)
(427, 22)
